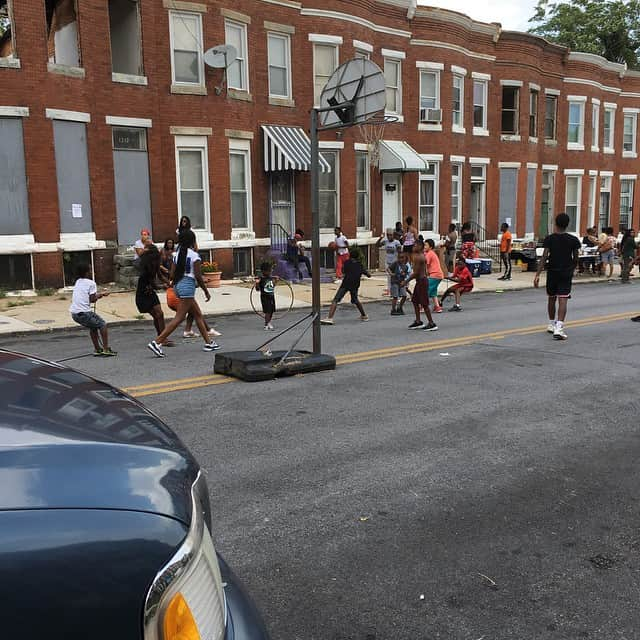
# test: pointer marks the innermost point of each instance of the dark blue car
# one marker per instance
(105, 525)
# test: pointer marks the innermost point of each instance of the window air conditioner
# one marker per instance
(430, 115)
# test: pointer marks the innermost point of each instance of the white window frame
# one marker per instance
(434, 68)
(459, 126)
(242, 147)
(591, 205)
(336, 61)
(398, 89)
(595, 125)
(483, 130)
(435, 178)
(336, 151)
(631, 181)
(177, 15)
(456, 186)
(366, 191)
(577, 204)
(632, 114)
(580, 101)
(287, 40)
(194, 143)
(517, 86)
(606, 182)
(610, 109)
(533, 113)
(242, 56)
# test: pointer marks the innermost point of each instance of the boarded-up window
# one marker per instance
(508, 196)
(14, 207)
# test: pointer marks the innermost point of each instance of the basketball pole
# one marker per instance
(315, 234)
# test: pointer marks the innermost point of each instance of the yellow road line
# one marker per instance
(197, 382)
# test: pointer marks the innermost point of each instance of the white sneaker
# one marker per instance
(266, 327)
(212, 346)
(156, 348)
(559, 333)
(214, 333)
(188, 334)
(364, 318)
(551, 327)
(327, 321)
(337, 281)
(271, 327)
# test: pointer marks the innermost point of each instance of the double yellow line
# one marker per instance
(181, 384)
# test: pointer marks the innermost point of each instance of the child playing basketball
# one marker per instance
(266, 286)
(464, 283)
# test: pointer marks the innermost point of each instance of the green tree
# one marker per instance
(609, 28)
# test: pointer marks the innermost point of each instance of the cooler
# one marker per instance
(474, 266)
(485, 266)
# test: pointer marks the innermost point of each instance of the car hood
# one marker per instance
(70, 441)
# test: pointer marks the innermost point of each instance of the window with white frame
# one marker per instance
(428, 203)
(510, 110)
(362, 54)
(362, 189)
(608, 130)
(626, 202)
(550, 116)
(575, 131)
(328, 192)
(240, 184)
(325, 61)
(279, 53)
(595, 126)
(193, 180)
(605, 201)
(533, 113)
(480, 104)
(591, 206)
(393, 82)
(186, 45)
(457, 106)
(456, 192)
(572, 201)
(629, 125)
(429, 95)
(238, 71)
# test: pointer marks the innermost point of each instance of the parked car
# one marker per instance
(105, 524)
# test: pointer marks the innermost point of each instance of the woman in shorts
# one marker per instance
(146, 297)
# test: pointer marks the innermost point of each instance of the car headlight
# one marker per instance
(186, 600)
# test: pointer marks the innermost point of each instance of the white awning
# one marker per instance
(288, 148)
(397, 155)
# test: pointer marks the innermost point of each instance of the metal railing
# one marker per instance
(279, 238)
(487, 246)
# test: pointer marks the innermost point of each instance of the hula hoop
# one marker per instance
(278, 314)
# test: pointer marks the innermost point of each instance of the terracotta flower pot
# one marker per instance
(212, 279)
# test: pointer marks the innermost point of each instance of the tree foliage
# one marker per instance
(609, 28)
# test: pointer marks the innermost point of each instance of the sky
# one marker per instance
(512, 14)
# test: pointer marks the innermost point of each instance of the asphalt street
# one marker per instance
(479, 482)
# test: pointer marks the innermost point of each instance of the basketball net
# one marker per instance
(372, 132)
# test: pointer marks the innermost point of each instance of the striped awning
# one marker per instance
(288, 148)
(397, 155)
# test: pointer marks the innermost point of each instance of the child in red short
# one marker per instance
(463, 283)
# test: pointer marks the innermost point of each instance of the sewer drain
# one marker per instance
(602, 562)
(43, 321)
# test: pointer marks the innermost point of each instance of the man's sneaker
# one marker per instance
(108, 352)
(337, 281)
(507, 278)
(97, 352)
(156, 348)
(400, 311)
(551, 327)
(266, 327)
(432, 326)
(270, 327)
(502, 278)
(212, 346)
(364, 318)
(437, 309)
(188, 334)
(559, 333)
(635, 319)
(327, 321)
(214, 333)
(416, 325)
(456, 307)
(395, 312)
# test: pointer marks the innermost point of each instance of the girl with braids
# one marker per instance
(146, 297)
(185, 272)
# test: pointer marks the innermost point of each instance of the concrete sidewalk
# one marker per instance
(42, 313)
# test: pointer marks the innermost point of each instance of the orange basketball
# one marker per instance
(332, 246)
(172, 299)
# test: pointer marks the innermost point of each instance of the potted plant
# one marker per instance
(211, 274)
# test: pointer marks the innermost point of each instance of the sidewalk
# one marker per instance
(44, 313)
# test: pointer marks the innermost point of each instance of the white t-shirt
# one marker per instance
(83, 288)
(192, 258)
(341, 243)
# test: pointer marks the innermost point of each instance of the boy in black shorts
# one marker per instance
(266, 286)
(561, 251)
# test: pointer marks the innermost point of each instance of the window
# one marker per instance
(328, 186)
(362, 54)
(605, 201)
(510, 114)
(325, 61)
(609, 129)
(186, 45)
(595, 127)
(63, 44)
(480, 104)
(457, 107)
(626, 202)
(572, 201)
(279, 50)
(235, 34)
(393, 82)
(550, 117)
(15, 272)
(7, 49)
(193, 180)
(240, 181)
(546, 203)
(591, 206)
(428, 204)
(242, 259)
(629, 125)
(71, 260)
(533, 113)
(128, 139)
(124, 30)
(429, 96)
(456, 192)
(362, 189)
(575, 133)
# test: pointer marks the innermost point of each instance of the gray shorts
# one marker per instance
(608, 257)
(89, 319)
(397, 291)
(342, 292)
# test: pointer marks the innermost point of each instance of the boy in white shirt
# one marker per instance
(85, 292)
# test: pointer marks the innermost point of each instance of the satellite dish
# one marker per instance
(220, 57)
(358, 91)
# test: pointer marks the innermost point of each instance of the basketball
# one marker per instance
(172, 299)
(332, 246)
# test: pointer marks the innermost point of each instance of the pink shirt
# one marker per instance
(433, 265)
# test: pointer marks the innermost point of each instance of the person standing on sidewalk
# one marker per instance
(434, 271)
(627, 253)
(561, 252)
(420, 295)
(342, 252)
(450, 242)
(409, 238)
(505, 251)
(353, 271)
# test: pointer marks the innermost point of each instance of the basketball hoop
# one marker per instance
(372, 132)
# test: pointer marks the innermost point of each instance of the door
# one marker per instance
(131, 171)
(391, 199)
(546, 204)
(476, 203)
(283, 200)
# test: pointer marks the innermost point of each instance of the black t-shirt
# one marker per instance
(588, 242)
(563, 251)
(352, 271)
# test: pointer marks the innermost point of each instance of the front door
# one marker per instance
(131, 171)
(283, 210)
(476, 203)
(391, 199)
